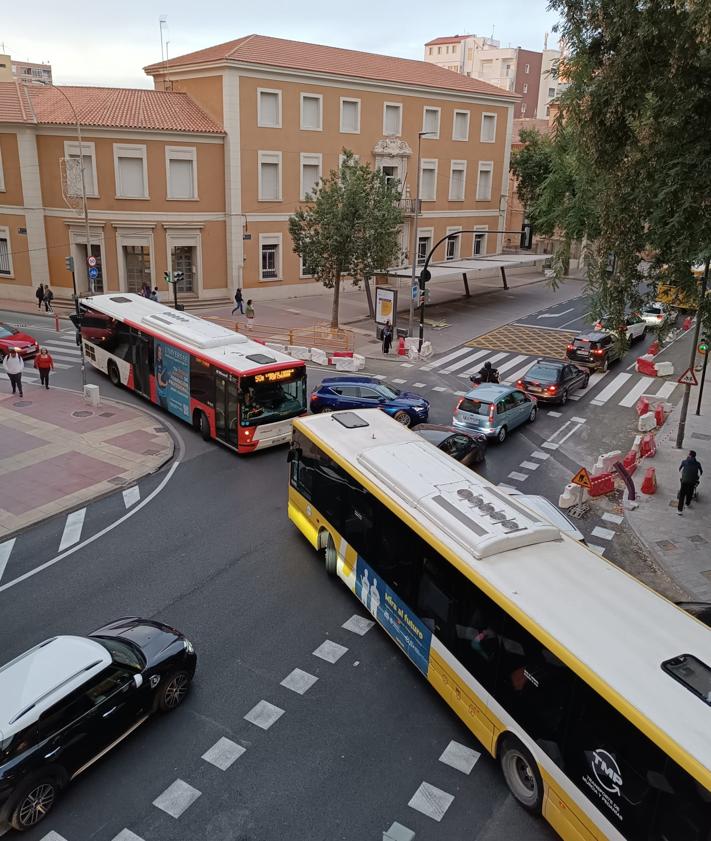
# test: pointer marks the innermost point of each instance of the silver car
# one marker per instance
(495, 410)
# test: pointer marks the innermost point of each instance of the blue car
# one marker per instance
(335, 393)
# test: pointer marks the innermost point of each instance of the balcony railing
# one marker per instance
(407, 206)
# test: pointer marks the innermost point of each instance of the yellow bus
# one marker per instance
(592, 691)
(686, 298)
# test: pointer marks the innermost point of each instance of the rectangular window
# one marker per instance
(392, 119)
(269, 176)
(523, 107)
(270, 256)
(457, 180)
(350, 116)
(424, 243)
(479, 242)
(527, 68)
(268, 108)
(551, 93)
(460, 125)
(452, 245)
(131, 171)
(181, 172)
(5, 255)
(428, 180)
(525, 87)
(439, 50)
(88, 163)
(430, 122)
(311, 111)
(137, 260)
(391, 173)
(183, 260)
(488, 128)
(310, 173)
(483, 184)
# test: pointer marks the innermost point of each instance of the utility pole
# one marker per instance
(692, 357)
(69, 263)
(413, 284)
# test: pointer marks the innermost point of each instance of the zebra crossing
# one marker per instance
(64, 352)
(624, 388)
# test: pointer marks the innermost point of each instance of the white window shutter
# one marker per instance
(270, 181)
(268, 109)
(131, 177)
(181, 179)
(311, 116)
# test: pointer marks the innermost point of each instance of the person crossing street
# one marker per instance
(14, 366)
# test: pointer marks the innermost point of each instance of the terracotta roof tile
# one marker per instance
(447, 39)
(105, 108)
(297, 55)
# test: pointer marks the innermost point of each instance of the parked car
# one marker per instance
(634, 327)
(11, 337)
(356, 392)
(467, 447)
(68, 700)
(551, 380)
(547, 510)
(594, 350)
(495, 410)
(658, 314)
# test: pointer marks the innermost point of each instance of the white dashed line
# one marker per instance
(379, 377)
(358, 624)
(539, 455)
(612, 518)
(299, 681)
(440, 388)
(330, 651)
(419, 385)
(264, 715)
(177, 798)
(431, 801)
(578, 420)
(223, 753)
(398, 832)
(519, 477)
(399, 382)
(131, 496)
(529, 465)
(603, 534)
(553, 414)
(549, 445)
(460, 757)
(406, 365)
(72, 529)
(599, 549)
(5, 550)
(127, 835)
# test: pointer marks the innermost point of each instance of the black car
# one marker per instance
(68, 700)
(594, 350)
(551, 380)
(467, 447)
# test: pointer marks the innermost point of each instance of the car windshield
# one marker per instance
(580, 342)
(389, 391)
(6, 331)
(434, 436)
(547, 373)
(476, 407)
(653, 310)
(123, 653)
(272, 396)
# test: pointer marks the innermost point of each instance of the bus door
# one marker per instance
(226, 408)
(142, 360)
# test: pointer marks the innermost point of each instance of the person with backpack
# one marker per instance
(39, 294)
(48, 298)
(238, 302)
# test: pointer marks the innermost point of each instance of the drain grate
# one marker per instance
(106, 414)
(151, 452)
(160, 428)
(697, 538)
(82, 413)
(22, 404)
(666, 545)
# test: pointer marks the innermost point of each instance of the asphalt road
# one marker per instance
(213, 553)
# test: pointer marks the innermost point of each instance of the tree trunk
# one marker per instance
(336, 299)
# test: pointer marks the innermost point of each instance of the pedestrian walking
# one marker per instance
(44, 364)
(387, 336)
(238, 302)
(691, 470)
(154, 295)
(48, 298)
(39, 294)
(14, 366)
(249, 312)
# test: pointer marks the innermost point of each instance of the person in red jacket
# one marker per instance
(44, 363)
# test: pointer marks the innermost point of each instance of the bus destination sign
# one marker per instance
(274, 376)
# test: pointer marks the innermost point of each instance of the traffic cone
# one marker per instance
(401, 346)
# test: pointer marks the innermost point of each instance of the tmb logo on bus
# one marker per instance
(606, 770)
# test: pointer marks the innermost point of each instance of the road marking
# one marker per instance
(399, 382)
(610, 389)
(599, 549)
(539, 455)
(379, 377)
(556, 314)
(5, 550)
(492, 359)
(60, 359)
(406, 365)
(461, 393)
(131, 496)
(529, 465)
(603, 534)
(634, 393)
(223, 753)
(177, 798)
(443, 361)
(578, 420)
(666, 390)
(612, 518)
(560, 429)
(519, 477)
(553, 414)
(517, 360)
(299, 681)
(330, 651)
(398, 832)
(517, 375)
(264, 714)
(51, 836)
(127, 835)
(72, 529)
(549, 445)
(431, 801)
(439, 388)
(568, 434)
(466, 361)
(419, 385)
(460, 757)
(358, 624)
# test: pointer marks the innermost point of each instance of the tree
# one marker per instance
(349, 228)
(531, 164)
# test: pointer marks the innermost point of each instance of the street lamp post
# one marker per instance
(420, 135)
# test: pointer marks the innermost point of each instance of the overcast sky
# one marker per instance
(109, 43)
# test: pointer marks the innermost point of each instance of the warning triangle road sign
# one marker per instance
(688, 377)
(582, 478)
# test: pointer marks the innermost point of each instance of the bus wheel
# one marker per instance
(204, 426)
(521, 774)
(113, 373)
(330, 557)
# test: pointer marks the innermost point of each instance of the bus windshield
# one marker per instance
(272, 396)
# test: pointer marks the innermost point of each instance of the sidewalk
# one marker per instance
(680, 545)
(58, 453)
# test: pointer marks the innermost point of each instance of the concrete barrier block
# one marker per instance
(664, 369)
(606, 462)
(426, 351)
(647, 422)
(276, 346)
(359, 361)
(411, 342)
(92, 395)
(299, 352)
(320, 357)
(569, 497)
(344, 363)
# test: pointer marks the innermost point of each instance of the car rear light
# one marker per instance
(459, 403)
(492, 408)
(552, 389)
(598, 352)
(571, 347)
(519, 384)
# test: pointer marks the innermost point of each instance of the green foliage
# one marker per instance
(531, 165)
(349, 228)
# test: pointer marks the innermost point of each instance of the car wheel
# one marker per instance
(564, 397)
(204, 426)
(403, 418)
(501, 437)
(605, 365)
(113, 373)
(173, 691)
(521, 774)
(330, 557)
(33, 803)
(586, 381)
(532, 416)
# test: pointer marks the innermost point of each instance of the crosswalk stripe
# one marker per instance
(516, 376)
(443, 361)
(639, 388)
(5, 549)
(72, 529)
(131, 496)
(71, 349)
(492, 359)
(609, 390)
(517, 360)
(62, 357)
(666, 390)
(466, 361)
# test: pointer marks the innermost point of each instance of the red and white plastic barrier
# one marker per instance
(649, 483)
(646, 365)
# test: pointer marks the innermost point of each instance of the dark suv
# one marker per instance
(594, 350)
(68, 700)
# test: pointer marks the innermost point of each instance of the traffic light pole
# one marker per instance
(69, 262)
(701, 384)
(692, 358)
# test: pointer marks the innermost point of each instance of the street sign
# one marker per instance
(582, 478)
(91, 261)
(415, 291)
(688, 377)
(93, 273)
(246, 236)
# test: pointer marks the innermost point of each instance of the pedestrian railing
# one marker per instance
(320, 336)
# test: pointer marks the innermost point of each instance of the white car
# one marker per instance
(635, 327)
(658, 314)
(546, 509)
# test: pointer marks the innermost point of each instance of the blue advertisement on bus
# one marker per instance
(172, 370)
(394, 615)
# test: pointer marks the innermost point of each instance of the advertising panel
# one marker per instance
(172, 370)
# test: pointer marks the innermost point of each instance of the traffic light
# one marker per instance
(69, 263)
(526, 236)
(703, 347)
(425, 276)
(178, 277)
(166, 277)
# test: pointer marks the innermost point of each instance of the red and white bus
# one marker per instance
(233, 389)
